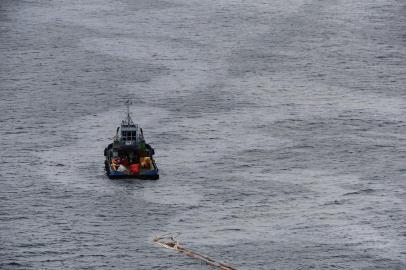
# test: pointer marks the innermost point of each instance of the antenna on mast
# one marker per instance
(128, 103)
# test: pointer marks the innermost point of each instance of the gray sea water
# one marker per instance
(279, 128)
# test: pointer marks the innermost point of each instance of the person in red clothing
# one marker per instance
(124, 162)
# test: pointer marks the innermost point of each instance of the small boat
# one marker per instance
(129, 156)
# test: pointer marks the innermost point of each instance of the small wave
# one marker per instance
(362, 191)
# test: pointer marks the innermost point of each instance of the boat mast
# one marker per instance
(129, 120)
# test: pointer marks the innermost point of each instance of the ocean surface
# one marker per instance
(279, 129)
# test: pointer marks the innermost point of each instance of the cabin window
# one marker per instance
(129, 135)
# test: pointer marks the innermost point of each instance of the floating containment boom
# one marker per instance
(169, 242)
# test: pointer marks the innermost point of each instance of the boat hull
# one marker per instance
(143, 174)
(127, 176)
